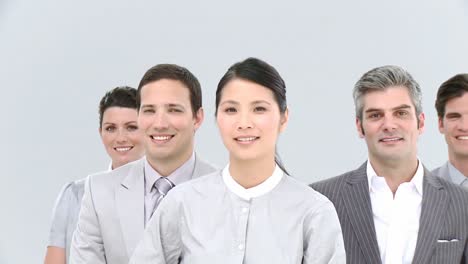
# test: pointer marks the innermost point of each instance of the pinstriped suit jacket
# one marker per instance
(444, 216)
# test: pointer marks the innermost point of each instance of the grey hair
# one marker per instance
(380, 79)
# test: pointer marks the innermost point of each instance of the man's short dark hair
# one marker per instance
(176, 73)
(453, 87)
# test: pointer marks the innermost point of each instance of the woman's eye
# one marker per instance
(260, 109)
(230, 110)
(132, 128)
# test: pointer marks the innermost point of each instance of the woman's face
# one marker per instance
(120, 135)
(249, 120)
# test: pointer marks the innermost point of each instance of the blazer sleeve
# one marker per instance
(87, 243)
(323, 240)
(161, 241)
(60, 218)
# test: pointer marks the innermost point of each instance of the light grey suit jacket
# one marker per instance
(443, 172)
(111, 221)
(444, 216)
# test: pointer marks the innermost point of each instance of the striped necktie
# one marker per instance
(162, 186)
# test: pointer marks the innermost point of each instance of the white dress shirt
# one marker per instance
(396, 218)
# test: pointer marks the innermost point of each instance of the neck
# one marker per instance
(166, 167)
(395, 172)
(250, 173)
(115, 165)
(460, 163)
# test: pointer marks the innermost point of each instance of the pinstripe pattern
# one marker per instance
(444, 216)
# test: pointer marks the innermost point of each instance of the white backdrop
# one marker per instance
(57, 58)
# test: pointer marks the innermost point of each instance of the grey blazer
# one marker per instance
(443, 172)
(111, 221)
(444, 216)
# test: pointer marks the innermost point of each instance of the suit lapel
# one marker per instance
(129, 199)
(202, 168)
(196, 168)
(359, 210)
(445, 172)
(434, 206)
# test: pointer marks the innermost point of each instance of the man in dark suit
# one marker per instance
(391, 209)
(452, 108)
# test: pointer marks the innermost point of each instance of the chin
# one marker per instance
(244, 156)
(462, 154)
(394, 157)
(162, 156)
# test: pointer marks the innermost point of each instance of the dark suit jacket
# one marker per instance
(444, 216)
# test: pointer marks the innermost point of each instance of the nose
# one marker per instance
(463, 126)
(389, 124)
(245, 121)
(160, 121)
(121, 135)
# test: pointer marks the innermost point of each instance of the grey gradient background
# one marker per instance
(57, 58)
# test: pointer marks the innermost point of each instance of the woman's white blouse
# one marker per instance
(203, 221)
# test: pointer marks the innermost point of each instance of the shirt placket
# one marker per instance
(395, 250)
(243, 212)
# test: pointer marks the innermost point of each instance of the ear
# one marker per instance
(359, 128)
(421, 119)
(284, 120)
(441, 125)
(100, 131)
(198, 119)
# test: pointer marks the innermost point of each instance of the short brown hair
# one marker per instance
(453, 87)
(122, 96)
(177, 73)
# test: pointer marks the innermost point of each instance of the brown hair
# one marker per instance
(453, 87)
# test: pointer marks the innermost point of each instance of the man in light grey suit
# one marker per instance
(391, 209)
(117, 205)
(452, 108)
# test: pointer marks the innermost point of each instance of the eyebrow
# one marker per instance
(126, 123)
(165, 105)
(453, 113)
(174, 105)
(229, 102)
(237, 103)
(260, 102)
(403, 106)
